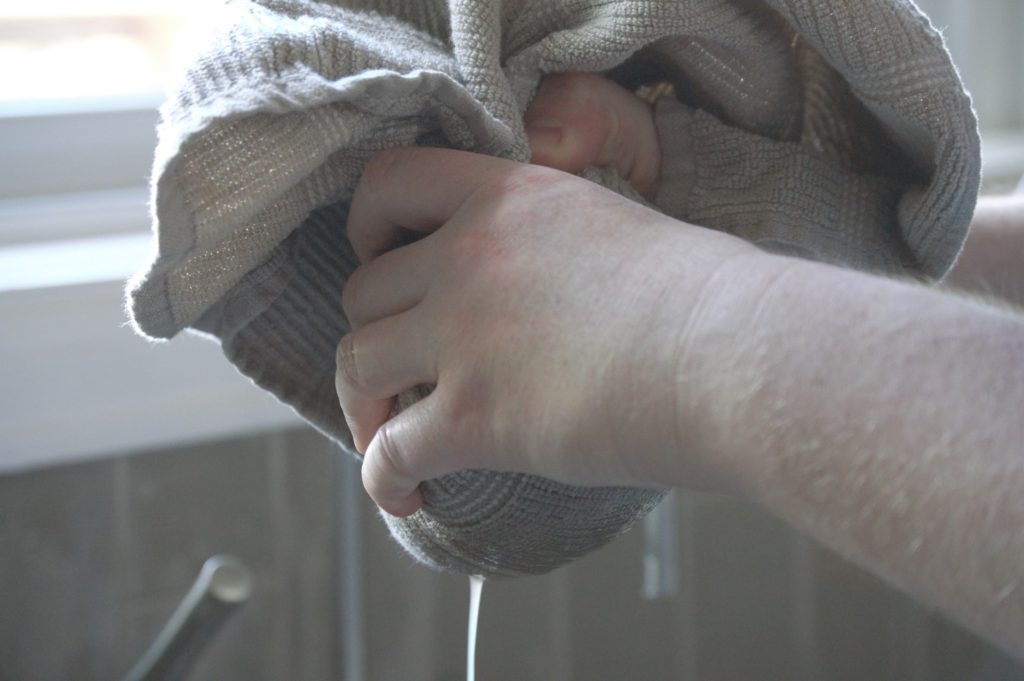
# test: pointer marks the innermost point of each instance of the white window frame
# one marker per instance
(77, 383)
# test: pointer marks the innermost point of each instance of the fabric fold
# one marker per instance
(835, 131)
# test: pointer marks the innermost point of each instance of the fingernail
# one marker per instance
(545, 134)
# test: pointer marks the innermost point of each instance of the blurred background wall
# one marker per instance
(95, 556)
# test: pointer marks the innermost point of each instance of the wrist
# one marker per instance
(720, 370)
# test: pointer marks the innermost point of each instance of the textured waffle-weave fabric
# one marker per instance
(836, 130)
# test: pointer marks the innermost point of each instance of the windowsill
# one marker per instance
(71, 262)
(1003, 157)
(78, 383)
(74, 106)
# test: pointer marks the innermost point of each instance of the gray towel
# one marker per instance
(836, 130)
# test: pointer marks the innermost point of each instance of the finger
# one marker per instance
(580, 119)
(415, 189)
(392, 283)
(375, 363)
(414, 446)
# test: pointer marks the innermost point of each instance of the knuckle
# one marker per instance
(528, 179)
(389, 454)
(374, 479)
(472, 250)
(346, 361)
(385, 166)
(464, 414)
(381, 167)
(518, 196)
(350, 296)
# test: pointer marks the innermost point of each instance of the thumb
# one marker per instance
(581, 119)
(411, 447)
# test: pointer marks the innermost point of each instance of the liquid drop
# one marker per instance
(476, 586)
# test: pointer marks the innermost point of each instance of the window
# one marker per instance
(79, 89)
(81, 50)
(78, 102)
(986, 38)
(78, 114)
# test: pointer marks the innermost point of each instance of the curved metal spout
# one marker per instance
(223, 585)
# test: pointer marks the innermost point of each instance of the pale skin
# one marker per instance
(574, 334)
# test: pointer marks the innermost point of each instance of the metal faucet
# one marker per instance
(223, 585)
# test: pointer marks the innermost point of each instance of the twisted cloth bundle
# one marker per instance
(837, 130)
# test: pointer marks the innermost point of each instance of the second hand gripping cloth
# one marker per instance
(835, 130)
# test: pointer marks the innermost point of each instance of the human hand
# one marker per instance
(581, 119)
(549, 312)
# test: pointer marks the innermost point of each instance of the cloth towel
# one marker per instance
(832, 129)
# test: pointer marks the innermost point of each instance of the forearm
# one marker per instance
(883, 418)
(992, 262)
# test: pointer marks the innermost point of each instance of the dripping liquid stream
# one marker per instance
(476, 585)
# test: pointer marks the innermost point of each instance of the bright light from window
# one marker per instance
(73, 49)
